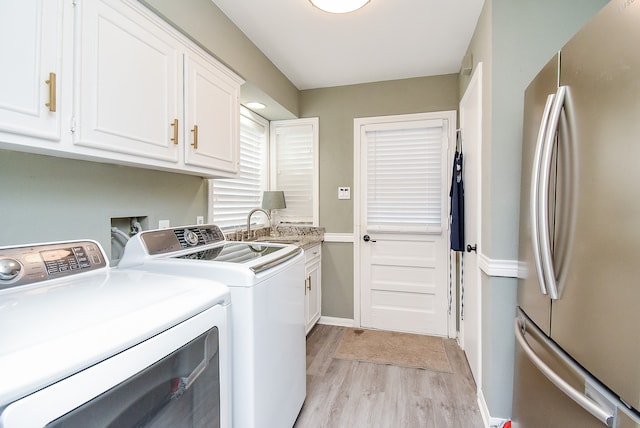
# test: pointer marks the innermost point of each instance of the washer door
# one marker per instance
(162, 382)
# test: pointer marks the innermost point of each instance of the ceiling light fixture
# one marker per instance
(339, 6)
(254, 105)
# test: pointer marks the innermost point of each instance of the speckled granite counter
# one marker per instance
(304, 237)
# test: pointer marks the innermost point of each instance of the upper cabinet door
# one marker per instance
(212, 115)
(130, 86)
(31, 47)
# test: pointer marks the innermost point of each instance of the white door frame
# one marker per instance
(449, 115)
(472, 337)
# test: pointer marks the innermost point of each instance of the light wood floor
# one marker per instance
(352, 394)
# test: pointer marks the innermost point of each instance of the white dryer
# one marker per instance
(80, 341)
(267, 295)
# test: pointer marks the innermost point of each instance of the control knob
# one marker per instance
(191, 237)
(9, 269)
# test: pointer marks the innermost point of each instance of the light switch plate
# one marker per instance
(344, 192)
(164, 224)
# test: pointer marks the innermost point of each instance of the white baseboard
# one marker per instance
(340, 322)
(484, 410)
(488, 421)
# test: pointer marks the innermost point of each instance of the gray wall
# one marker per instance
(337, 107)
(513, 40)
(50, 199)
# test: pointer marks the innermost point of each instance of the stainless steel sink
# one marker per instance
(277, 240)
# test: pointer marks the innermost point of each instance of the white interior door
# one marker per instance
(471, 293)
(401, 220)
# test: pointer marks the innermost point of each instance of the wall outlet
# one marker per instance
(164, 224)
(344, 192)
(200, 219)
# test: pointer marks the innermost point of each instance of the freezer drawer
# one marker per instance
(552, 390)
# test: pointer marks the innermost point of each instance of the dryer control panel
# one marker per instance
(34, 263)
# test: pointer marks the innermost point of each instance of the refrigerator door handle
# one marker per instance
(543, 199)
(535, 189)
(605, 415)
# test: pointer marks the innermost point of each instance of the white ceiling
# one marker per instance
(385, 40)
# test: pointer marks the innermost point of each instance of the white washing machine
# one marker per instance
(82, 342)
(267, 295)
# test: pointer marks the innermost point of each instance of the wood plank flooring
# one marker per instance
(353, 394)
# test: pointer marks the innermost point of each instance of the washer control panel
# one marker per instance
(34, 263)
(178, 238)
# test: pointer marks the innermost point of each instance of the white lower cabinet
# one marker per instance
(313, 286)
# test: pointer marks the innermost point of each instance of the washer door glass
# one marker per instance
(180, 390)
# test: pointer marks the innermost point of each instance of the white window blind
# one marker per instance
(294, 168)
(232, 199)
(404, 170)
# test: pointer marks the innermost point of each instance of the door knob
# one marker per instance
(474, 248)
(367, 238)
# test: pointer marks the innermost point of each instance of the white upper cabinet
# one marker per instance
(212, 115)
(130, 88)
(30, 76)
(148, 95)
(130, 83)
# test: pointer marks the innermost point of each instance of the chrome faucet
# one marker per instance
(249, 219)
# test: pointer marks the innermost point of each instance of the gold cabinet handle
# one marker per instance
(52, 92)
(175, 131)
(195, 137)
(309, 284)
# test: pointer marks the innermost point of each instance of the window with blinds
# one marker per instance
(232, 199)
(294, 169)
(404, 177)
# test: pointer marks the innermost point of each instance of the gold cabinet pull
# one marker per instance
(195, 137)
(52, 92)
(309, 286)
(175, 131)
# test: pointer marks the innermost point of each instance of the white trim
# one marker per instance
(498, 268)
(338, 237)
(340, 322)
(484, 410)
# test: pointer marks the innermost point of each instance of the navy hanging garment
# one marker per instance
(457, 205)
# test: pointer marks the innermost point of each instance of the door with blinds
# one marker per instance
(403, 222)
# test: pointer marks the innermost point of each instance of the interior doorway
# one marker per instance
(401, 221)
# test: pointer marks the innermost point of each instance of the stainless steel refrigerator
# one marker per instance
(578, 323)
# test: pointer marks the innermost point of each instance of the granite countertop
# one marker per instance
(304, 237)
